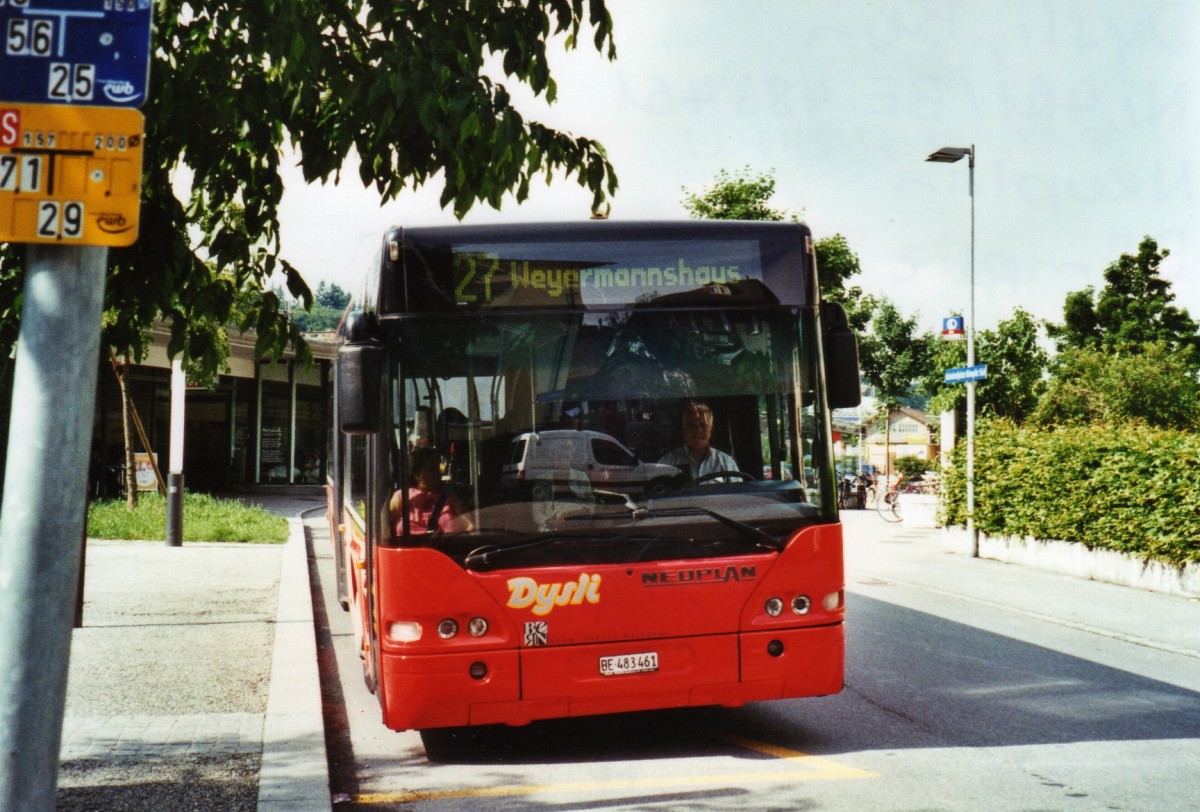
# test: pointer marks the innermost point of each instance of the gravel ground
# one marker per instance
(201, 783)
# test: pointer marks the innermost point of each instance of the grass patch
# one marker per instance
(204, 519)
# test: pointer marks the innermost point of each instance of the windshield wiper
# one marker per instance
(637, 513)
(482, 557)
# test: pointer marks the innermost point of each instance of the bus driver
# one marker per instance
(696, 456)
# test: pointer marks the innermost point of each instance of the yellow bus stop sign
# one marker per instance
(70, 175)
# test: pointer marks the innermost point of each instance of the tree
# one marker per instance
(893, 357)
(739, 196)
(1016, 364)
(1126, 352)
(746, 196)
(404, 85)
(331, 296)
(1152, 383)
(1132, 309)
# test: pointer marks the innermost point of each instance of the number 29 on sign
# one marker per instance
(60, 220)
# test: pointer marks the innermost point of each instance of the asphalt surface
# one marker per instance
(193, 682)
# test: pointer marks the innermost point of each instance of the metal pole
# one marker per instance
(50, 433)
(175, 476)
(972, 531)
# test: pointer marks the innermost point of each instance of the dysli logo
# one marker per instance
(10, 126)
(526, 593)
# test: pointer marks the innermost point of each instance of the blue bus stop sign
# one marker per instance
(92, 52)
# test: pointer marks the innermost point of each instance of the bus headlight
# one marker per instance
(447, 628)
(801, 604)
(477, 627)
(773, 607)
(405, 631)
(832, 601)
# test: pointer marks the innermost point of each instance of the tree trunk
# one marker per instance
(131, 492)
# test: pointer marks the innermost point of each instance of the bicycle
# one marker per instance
(889, 503)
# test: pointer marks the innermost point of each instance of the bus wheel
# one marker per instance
(369, 675)
(453, 744)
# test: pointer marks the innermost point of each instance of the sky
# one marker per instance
(1084, 114)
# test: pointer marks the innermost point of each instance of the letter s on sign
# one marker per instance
(10, 126)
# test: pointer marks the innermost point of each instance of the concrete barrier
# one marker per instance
(919, 510)
(1076, 560)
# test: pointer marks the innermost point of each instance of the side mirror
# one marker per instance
(359, 368)
(840, 347)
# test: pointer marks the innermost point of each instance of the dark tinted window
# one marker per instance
(607, 453)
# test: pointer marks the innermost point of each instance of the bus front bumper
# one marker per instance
(518, 687)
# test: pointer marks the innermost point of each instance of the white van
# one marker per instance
(563, 460)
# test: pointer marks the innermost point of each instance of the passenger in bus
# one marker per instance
(432, 506)
(696, 457)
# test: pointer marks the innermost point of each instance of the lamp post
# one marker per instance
(175, 477)
(949, 155)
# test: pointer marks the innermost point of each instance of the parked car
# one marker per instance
(561, 460)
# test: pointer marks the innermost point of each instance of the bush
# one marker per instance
(1129, 487)
(912, 467)
(204, 519)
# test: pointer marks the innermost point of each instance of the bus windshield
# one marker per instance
(646, 432)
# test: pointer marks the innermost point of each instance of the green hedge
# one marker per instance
(1130, 488)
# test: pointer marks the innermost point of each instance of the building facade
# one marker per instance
(910, 434)
(262, 423)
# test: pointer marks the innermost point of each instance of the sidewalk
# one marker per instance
(193, 682)
(911, 566)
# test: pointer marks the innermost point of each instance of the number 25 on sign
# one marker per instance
(70, 175)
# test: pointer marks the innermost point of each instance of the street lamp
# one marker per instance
(949, 155)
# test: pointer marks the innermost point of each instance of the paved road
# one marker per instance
(970, 685)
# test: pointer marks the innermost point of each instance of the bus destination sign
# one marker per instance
(548, 275)
(70, 175)
(87, 52)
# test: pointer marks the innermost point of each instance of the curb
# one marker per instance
(295, 771)
(1076, 560)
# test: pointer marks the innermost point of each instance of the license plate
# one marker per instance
(629, 664)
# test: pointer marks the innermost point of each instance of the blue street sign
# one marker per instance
(93, 52)
(952, 327)
(965, 374)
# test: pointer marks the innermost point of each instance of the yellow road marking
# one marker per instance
(784, 753)
(815, 769)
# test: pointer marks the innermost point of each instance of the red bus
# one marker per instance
(587, 468)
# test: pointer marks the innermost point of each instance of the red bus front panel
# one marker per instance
(583, 639)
